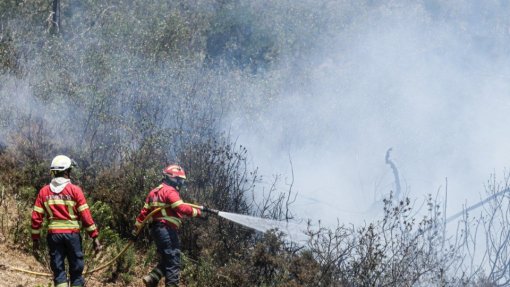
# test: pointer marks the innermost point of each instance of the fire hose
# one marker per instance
(147, 218)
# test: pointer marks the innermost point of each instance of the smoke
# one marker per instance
(429, 79)
(109, 83)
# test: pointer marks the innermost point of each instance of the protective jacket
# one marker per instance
(166, 195)
(65, 209)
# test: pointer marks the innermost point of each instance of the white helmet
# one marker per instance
(61, 163)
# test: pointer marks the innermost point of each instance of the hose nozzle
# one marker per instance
(210, 210)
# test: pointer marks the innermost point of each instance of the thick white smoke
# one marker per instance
(431, 81)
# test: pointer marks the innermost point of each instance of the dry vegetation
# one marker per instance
(125, 88)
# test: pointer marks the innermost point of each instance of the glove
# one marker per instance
(35, 246)
(97, 245)
(134, 233)
(203, 215)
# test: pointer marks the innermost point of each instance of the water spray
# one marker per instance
(292, 232)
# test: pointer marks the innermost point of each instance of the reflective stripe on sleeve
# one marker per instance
(83, 207)
(146, 205)
(36, 231)
(177, 203)
(91, 228)
(38, 209)
(195, 212)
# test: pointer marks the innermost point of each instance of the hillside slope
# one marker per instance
(12, 257)
(12, 278)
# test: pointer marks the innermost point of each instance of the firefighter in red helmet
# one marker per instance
(165, 224)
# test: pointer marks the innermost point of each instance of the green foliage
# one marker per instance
(122, 269)
(103, 215)
(150, 256)
(21, 229)
(240, 38)
(198, 273)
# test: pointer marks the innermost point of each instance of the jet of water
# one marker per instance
(293, 232)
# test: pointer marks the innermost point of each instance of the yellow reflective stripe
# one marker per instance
(36, 231)
(83, 207)
(91, 228)
(64, 224)
(38, 209)
(146, 205)
(70, 209)
(61, 201)
(177, 203)
(61, 285)
(195, 212)
(48, 209)
(171, 219)
(158, 204)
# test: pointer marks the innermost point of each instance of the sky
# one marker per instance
(432, 82)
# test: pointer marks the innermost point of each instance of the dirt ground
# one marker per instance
(12, 278)
(18, 259)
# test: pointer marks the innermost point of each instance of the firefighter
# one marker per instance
(64, 205)
(165, 224)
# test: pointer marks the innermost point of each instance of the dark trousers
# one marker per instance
(62, 246)
(167, 243)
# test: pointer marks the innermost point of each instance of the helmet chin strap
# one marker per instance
(172, 182)
(64, 173)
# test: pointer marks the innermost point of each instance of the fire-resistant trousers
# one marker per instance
(167, 244)
(62, 246)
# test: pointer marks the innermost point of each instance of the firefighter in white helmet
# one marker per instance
(64, 205)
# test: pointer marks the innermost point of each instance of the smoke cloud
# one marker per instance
(429, 79)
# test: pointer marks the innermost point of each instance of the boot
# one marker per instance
(152, 279)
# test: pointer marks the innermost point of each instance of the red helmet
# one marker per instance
(174, 171)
